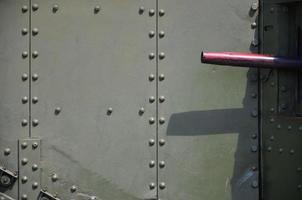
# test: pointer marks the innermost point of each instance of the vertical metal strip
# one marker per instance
(157, 74)
(29, 70)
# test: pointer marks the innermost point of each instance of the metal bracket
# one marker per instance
(46, 196)
(7, 178)
(29, 168)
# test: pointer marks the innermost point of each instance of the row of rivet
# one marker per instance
(161, 99)
(34, 167)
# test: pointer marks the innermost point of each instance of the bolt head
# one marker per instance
(24, 161)
(35, 185)
(35, 31)
(7, 151)
(35, 54)
(58, 110)
(73, 189)
(35, 100)
(162, 120)
(24, 145)
(161, 12)
(24, 77)
(151, 12)
(161, 77)
(24, 9)
(141, 111)
(151, 77)
(151, 99)
(162, 185)
(151, 120)
(55, 8)
(35, 145)
(109, 111)
(5, 180)
(141, 10)
(35, 122)
(254, 184)
(35, 7)
(24, 122)
(24, 54)
(151, 185)
(162, 142)
(255, 6)
(253, 25)
(151, 34)
(151, 56)
(151, 142)
(54, 177)
(24, 100)
(97, 9)
(35, 167)
(161, 99)
(162, 164)
(35, 77)
(151, 163)
(24, 197)
(24, 31)
(24, 179)
(162, 55)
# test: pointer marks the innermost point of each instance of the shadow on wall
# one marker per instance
(223, 121)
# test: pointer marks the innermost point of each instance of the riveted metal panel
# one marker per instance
(208, 125)
(14, 86)
(93, 83)
(281, 127)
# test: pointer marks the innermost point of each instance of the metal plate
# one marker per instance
(12, 87)
(210, 112)
(281, 129)
(90, 75)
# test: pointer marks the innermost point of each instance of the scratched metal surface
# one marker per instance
(89, 62)
(209, 110)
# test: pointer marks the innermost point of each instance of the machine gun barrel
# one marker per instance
(250, 60)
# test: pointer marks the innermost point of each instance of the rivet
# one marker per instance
(272, 138)
(35, 122)
(35, 54)
(272, 110)
(73, 189)
(272, 9)
(151, 77)
(161, 120)
(254, 184)
(24, 31)
(161, 12)
(300, 128)
(280, 150)
(151, 163)
(151, 34)
(254, 6)
(151, 142)
(24, 9)
(7, 151)
(162, 142)
(24, 77)
(283, 88)
(283, 106)
(35, 185)
(151, 12)
(292, 151)
(254, 25)
(254, 136)
(161, 34)
(254, 95)
(151, 120)
(24, 122)
(24, 197)
(24, 161)
(55, 8)
(35, 100)
(35, 77)
(97, 9)
(272, 120)
(151, 99)
(299, 187)
(162, 185)
(151, 56)
(24, 145)
(24, 179)
(299, 169)
(58, 110)
(109, 111)
(151, 186)
(24, 99)
(161, 99)
(35, 7)
(162, 164)
(141, 10)
(279, 126)
(24, 54)
(161, 55)
(34, 167)
(254, 148)
(289, 128)
(141, 111)
(254, 168)
(269, 149)
(35, 31)
(54, 177)
(254, 113)
(255, 42)
(35, 145)
(161, 77)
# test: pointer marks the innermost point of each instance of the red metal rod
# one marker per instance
(250, 60)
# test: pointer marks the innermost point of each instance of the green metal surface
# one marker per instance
(119, 103)
(208, 109)
(12, 87)
(281, 126)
